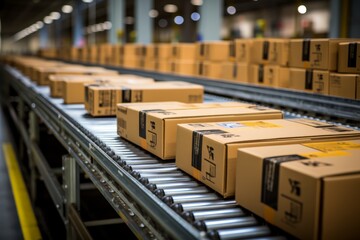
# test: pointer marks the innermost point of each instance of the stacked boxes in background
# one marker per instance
(183, 58)
(162, 56)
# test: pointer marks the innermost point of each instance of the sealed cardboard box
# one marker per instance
(211, 69)
(154, 127)
(184, 51)
(236, 71)
(270, 51)
(148, 51)
(92, 53)
(345, 85)
(183, 67)
(309, 80)
(209, 150)
(74, 90)
(117, 52)
(309, 190)
(315, 53)
(101, 100)
(243, 50)
(163, 51)
(256, 74)
(276, 76)
(131, 50)
(149, 64)
(200, 51)
(163, 66)
(349, 57)
(131, 62)
(219, 51)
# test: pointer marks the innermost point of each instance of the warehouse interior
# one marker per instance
(179, 119)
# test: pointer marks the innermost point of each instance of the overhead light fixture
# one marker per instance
(302, 9)
(99, 27)
(170, 8)
(231, 10)
(129, 20)
(55, 15)
(39, 24)
(197, 2)
(107, 25)
(48, 20)
(195, 16)
(153, 13)
(33, 28)
(179, 20)
(87, 1)
(67, 9)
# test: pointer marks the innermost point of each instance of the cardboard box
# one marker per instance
(349, 57)
(308, 80)
(243, 50)
(148, 51)
(153, 127)
(117, 55)
(131, 50)
(131, 62)
(163, 66)
(102, 100)
(309, 190)
(74, 90)
(163, 51)
(149, 64)
(345, 85)
(183, 67)
(211, 69)
(184, 52)
(315, 53)
(200, 51)
(219, 51)
(277, 76)
(256, 74)
(236, 71)
(270, 51)
(209, 150)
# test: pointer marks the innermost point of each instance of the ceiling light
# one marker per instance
(302, 9)
(55, 15)
(163, 23)
(197, 2)
(107, 25)
(93, 28)
(231, 10)
(153, 13)
(39, 24)
(195, 16)
(33, 28)
(99, 27)
(179, 20)
(67, 9)
(48, 20)
(170, 8)
(87, 1)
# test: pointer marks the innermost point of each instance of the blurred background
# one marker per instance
(28, 25)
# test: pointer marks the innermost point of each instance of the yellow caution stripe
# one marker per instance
(28, 223)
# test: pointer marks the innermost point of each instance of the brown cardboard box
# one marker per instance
(74, 53)
(92, 54)
(315, 53)
(131, 50)
(184, 51)
(309, 190)
(153, 127)
(200, 51)
(243, 50)
(256, 75)
(209, 150)
(211, 69)
(308, 80)
(163, 66)
(270, 51)
(148, 51)
(219, 51)
(349, 57)
(345, 85)
(149, 64)
(102, 100)
(162, 51)
(183, 67)
(277, 76)
(74, 90)
(236, 71)
(131, 62)
(117, 52)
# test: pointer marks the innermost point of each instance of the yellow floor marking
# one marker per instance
(28, 223)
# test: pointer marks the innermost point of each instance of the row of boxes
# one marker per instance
(243, 150)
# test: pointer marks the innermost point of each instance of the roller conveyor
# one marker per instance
(157, 199)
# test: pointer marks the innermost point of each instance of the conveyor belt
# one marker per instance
(156, 199)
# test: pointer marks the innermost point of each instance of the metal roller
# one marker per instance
(180, 190)
(239, 233)
(169, 200)
(212, 214)
(236, 222)
(155, 170)
(205, 205)
(177, 184)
